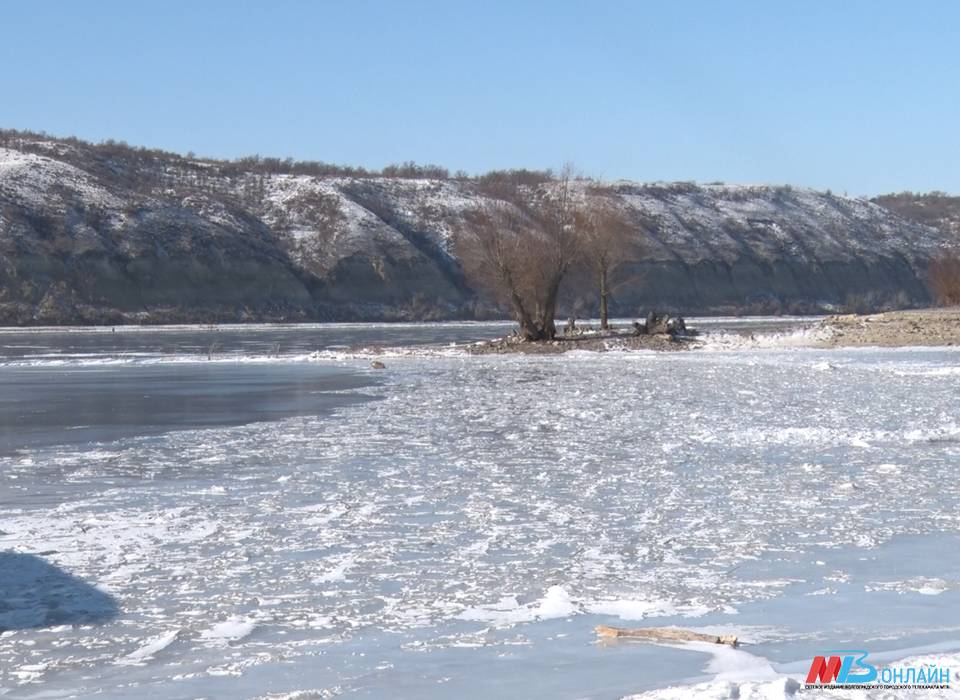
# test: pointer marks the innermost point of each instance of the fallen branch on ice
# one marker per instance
(664, 634)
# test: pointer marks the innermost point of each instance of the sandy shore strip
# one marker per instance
(918, 327)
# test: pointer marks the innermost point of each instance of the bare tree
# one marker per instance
(608, 244)
(521, 252)
(496, 253)
(561, 245)
(944, 279)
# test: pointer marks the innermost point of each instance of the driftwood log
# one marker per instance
(664, 634)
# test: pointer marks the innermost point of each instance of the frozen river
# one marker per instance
(277, 522)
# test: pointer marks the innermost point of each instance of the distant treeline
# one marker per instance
(39, 142)
(937, 209)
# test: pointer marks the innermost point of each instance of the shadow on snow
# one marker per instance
(34, 593)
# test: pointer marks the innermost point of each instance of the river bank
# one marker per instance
(592, 341)
(916, 327)
(909, 328)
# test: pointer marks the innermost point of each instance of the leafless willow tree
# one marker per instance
(521, 248)
(609, 243)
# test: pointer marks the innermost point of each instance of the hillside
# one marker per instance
(936, 209)
(111, 234)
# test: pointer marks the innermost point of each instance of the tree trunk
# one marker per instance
(604, 293)
(548, 329)
(528, 328)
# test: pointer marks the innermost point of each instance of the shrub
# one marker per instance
(944, 279)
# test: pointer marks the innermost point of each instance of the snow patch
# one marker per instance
(232, 629)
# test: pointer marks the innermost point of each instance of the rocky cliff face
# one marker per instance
(110, 234)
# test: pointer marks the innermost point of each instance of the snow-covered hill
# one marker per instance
(107, 233)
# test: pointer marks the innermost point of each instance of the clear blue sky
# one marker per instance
(849, 95)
